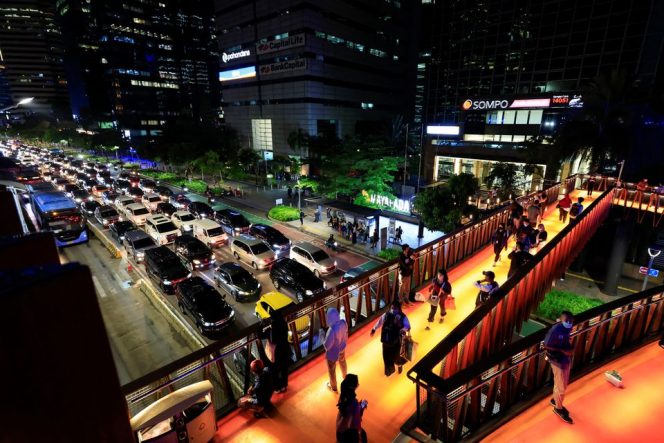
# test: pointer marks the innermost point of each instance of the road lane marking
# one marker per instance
(100, 290)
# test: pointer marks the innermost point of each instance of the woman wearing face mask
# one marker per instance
(394, 324)
(558, 349)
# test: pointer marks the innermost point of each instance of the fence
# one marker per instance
(225, 362)
(490, 327)
(470, 401)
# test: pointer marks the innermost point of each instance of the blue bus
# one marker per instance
(57, 213)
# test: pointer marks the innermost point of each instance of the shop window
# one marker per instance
(518, 138)
(506, 138)
(522, 117)
(535, 117)
(499, 117)
(509, 117)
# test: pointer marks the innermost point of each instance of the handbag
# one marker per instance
(408, 348)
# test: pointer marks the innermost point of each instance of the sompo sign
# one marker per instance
(485, 104)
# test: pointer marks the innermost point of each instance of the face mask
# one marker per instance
(567, 324)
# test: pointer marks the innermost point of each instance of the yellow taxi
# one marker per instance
(270, 302)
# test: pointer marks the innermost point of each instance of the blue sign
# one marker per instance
(654, 273)
(237, 74)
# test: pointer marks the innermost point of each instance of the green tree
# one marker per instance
(504, 176)
(463, 186)
(438, 209)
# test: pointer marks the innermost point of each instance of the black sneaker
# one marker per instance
(553, 403)
(329, 386)
(565, 417)
(400, 369)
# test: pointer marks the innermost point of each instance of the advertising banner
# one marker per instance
(292, 41)
(285, 66)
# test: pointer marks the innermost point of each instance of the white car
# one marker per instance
(313, 258)
(183, 220)
(253, 251)
(122, 201)
(136, 213)
(151, 201)
(209, 232)
(161, 229)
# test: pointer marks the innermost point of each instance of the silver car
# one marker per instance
(253, 251)
(313, 258)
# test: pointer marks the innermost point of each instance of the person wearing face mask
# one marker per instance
(558, 349)
(394, 324)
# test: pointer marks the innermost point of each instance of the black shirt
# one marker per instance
(405, 265)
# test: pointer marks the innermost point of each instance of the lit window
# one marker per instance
(367, 105)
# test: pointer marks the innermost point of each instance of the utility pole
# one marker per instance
(622, 164)
(419, 163)
(405, 161)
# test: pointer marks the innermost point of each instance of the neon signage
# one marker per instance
(228, 56)
(398, 204)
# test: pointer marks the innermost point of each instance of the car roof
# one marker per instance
(159, 218)
(206, 223)
(247, 239)
(136, 234)
(276, 299)
(231, 266)
(308, 247)
(136, 206)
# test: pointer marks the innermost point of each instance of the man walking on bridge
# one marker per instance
(558, 349)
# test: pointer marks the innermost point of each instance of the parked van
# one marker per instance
(209, 232)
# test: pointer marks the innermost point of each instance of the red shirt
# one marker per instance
(565, 203)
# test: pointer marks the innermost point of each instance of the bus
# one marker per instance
(57, 213)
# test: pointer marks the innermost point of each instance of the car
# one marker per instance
(136, 194)
(165, 208)
(70, 188)
(81, 195)
(209, 232)
(122, 185)
(106, 215)
(207, 307)
(136, 242)
(354, 289)
(272, 301)
(104, 177)
(183, 220)
(288, 273)
(179, 201)
(120, 228)
(201, 210)
(134, 181)
(60, 183)
(165, 268)
(109, 197)
(151, 201)
(122, 201)
(88, 207)
(193, 252)
(88, 184)
(147, 185)
(233, 222)
(124, 175)
(313, 258)
(253, 251)
(161, 229)
(91, 173)
(164, 192)
(98, 190)
(81, 177)
(273, 237)
(237, 281)
(136, 213)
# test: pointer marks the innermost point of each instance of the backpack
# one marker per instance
(575, 210)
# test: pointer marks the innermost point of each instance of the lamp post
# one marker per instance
(23, 101)
(653, 252)
(622, 165)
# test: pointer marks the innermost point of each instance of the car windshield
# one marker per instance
(124, 226)
(214, 232)
(110, 212)
(238, 219)
(174, 269)
(154, 199)
(143, 243)
(319, 255)
(187, 217)
(101, 188)
(241, 277)
(259, 248)
(198, 248)
(166, 227)
(140, 211)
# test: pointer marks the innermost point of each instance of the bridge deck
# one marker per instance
(601, 412)
(307, 412)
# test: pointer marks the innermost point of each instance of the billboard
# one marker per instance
(555, 101)
(285, 66)
(291, 41)
(237, 74)
(443, 130)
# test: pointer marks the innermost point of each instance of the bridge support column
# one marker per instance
(621, 239)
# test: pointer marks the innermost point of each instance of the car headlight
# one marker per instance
(78, 199)
(325, 284)
(308, 292)
(187, 227)
(139, 253)
(335, 263)
(167, 282)
(276, 246)
(208, 324)
(212, 257)
(259, 286)
(189, 275)
(197, 261)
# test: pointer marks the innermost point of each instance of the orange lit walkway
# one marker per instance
(601, 412)
(307, 412)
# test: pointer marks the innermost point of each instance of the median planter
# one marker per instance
(283, 213)
(557, 301)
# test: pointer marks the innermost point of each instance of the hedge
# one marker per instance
(389, 253)
(284, 213)
(198, 186)
(557, 301)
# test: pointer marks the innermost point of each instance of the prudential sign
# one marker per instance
(228, 56)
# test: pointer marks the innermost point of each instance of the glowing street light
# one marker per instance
(23, 101)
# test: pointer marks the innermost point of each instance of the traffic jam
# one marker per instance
(212, 265)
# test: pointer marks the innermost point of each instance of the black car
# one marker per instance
(233, 222)
(136, 193)
(118, 229)
(273, 237)
(81, 177)
(106, 215)
(88, 184)
(193, 252)
(81, 195)
(201, 210)
(163, 191)
(70, 188)
(147, 185)
(88, 207)
(179, 201)
(237, 281)
(165, 208)
(165, 268)
(108, 197)
(122, 185)
(207, 307)
(286, 272)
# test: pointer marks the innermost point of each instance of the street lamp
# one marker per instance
(23, 101)
(653, 252)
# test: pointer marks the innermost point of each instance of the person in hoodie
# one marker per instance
(336, 338)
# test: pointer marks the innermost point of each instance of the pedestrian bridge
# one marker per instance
(442, 395)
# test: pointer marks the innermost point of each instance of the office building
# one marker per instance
(336, 68)
(139, 65)
(31, 53)
(545, 52)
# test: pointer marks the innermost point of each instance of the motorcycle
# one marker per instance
(333, 245)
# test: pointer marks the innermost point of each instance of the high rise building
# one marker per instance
(138, 64)
(333, 67)
(488, 54)
(31, 53)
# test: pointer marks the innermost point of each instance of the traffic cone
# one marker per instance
(129, 267)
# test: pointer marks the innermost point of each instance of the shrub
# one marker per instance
(284, 213)
(161, 175)
(198, 186)
(389, 253)
(557, 301)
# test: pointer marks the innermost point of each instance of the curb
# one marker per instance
(108, 244)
